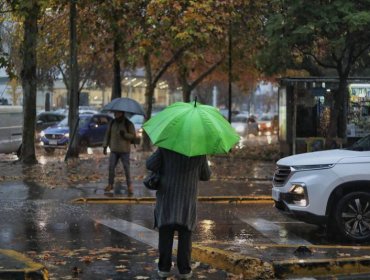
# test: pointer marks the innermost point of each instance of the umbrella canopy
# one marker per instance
(191, 129)
(124, 104)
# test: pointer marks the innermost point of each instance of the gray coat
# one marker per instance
(177, 197)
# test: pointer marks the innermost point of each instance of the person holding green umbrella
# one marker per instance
(185, 133)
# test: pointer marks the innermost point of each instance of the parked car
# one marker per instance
(46, 119)
(252, 125)
(138, 120)
(275, 123)
(225, 113)
(91, 131)
(11, 126)
(81, 110)
(265, 123)
(240, 123)
(330, 188)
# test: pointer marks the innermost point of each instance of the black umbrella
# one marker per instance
(124, 104)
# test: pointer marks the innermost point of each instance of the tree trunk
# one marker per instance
(149, 93)
(186, 89)
(183, 75)
(343, 110)
(116, 89)
(73, 150)
(186, 92)
(29, 84)
(338, 114)
(47, 101)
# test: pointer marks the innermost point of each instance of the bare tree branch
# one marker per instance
(205, 74)
(174, 57)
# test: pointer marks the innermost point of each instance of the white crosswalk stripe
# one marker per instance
(275, 232)
(135, 231)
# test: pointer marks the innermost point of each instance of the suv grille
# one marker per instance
(54, 136)
(281, 174)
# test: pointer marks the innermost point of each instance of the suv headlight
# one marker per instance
(298, 195)
(310, 167)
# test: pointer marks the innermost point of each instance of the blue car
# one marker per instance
(91, 131)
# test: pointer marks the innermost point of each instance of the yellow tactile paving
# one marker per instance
(30, 267)
(211, 199)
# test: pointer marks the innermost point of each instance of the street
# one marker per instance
(266, 102)
(102, 241)
(58, 215)
(65, 235)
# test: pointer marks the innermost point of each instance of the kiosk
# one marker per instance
(304, 112)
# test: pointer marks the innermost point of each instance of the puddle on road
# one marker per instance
(205, 229)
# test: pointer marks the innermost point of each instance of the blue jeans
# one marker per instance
(113, 161)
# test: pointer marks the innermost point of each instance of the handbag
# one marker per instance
(152, 181)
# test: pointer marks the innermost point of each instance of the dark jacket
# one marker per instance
(119, 135)
(177, 198)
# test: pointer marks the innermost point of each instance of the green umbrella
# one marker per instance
(191, 129)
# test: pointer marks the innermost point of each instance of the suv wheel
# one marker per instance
(352, 215)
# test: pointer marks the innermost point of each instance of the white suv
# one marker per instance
(328, 187)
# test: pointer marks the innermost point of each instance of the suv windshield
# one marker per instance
(361, 145)
(82, 122)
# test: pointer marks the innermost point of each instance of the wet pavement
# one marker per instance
(71, 242)
(42, 217)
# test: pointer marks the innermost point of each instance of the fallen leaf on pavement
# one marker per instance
(86, 259)
(344, 255)
(120, 266)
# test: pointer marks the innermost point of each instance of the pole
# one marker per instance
(214, 96)
(230, 72)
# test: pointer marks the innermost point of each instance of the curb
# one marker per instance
(256, 268)
(141, 200)
(248, 267)
(315, 267)
(25, 269)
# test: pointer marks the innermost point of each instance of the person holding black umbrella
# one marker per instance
(119, 136)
